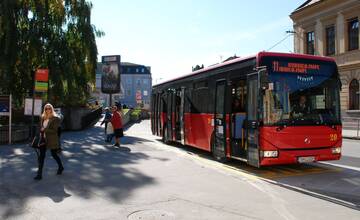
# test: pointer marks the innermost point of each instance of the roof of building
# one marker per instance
(130, 64)
(124, 64)
(307, 4)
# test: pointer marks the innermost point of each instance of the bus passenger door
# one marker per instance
(253, 120)
(159, 112)
(169, 117)
(219, 141)
(182, 115)
(153, 110)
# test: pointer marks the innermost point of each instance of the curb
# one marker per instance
(352, 138)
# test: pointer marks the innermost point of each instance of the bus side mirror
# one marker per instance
(264, 79)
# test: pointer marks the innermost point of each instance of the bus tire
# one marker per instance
(221, 157)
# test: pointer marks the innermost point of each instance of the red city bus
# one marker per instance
(272, 108)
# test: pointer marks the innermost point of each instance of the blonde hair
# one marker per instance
(46, 115)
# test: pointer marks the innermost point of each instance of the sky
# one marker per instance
(173, 36)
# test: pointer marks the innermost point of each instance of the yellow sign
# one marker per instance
(333, 137)
(41, 86)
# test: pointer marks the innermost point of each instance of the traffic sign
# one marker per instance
(41, 86)
(4, 105)
(42, 75)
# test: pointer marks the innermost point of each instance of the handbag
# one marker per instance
(109, 129)
(38, 141)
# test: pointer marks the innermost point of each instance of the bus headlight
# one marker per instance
(336, 150)
(269, 153)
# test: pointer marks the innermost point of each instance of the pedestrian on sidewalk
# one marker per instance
(107, 118)
(116, 122)
(49, 125)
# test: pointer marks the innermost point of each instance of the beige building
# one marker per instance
(331, 28)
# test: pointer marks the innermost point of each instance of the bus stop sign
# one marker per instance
(4, 105)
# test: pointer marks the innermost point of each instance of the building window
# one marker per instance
(142, 70)
(128, 92)
(330, 40)
(129, 81)
(137, 70)
(145, 81)
(353, 34)
(354, 95)
(310, 39)
(138, 82)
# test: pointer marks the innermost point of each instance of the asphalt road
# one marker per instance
(350, 155)
(146, 179)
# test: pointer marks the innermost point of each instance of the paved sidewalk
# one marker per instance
(351, 134)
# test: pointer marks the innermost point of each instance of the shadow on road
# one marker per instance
(91, 169)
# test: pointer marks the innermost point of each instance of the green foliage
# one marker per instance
(135, 114)
(53, 34)
(125, 111)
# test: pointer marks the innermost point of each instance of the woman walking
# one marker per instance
(49, 125)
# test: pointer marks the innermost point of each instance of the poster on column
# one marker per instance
(37, 107)
(110, 74)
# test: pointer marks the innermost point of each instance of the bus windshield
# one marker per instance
(302, 94)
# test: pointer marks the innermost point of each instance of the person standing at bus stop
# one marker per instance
(50, 123)
(116, 122)
(106, 120)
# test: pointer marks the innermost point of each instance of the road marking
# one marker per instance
(254, 173)
(342, 166)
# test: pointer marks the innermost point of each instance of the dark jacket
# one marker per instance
(51, 133)
(301, 109)
(107, 118)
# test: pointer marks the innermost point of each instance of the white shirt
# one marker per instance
(45, 123)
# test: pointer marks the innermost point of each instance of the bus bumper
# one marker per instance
(300, 156)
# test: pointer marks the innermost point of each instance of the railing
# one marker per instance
(352, 126)
(18, 133)
(90, 118)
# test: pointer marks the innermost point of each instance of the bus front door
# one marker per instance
(252, 120)
(218, 147)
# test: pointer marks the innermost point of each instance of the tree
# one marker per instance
(53, 34)
(197, 67)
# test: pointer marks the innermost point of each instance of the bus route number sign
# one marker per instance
(333, 137)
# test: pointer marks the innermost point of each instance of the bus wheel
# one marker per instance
(218, 155)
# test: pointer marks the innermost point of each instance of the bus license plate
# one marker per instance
(306, 159)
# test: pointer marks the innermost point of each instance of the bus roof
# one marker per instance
(258, 58)
(260, 55)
